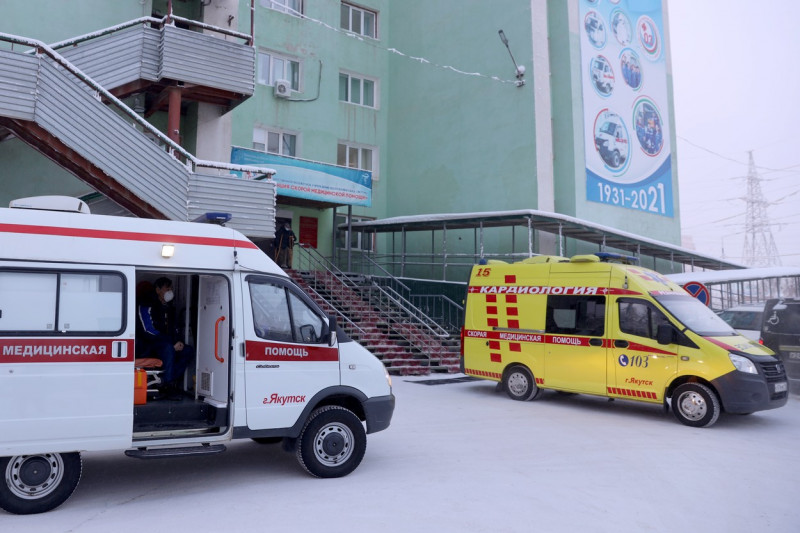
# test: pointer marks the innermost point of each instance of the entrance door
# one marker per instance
(289, 357)
(213, 339)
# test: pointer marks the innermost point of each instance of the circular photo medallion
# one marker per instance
(595, 29)
(649, 127)
(611, 140)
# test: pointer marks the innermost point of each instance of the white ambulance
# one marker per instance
(269, 365)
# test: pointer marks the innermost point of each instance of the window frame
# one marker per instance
(575, 300)
(652, 316)
(282, 6)
(291, 294)
(350, 76)
(281, 133)
(361, 148)
(362, 12)
(268, 80)
(55, 331)
(342, 236)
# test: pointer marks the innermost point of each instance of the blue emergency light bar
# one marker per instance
(214, 218)
(610, 257)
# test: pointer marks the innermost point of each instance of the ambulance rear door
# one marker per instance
(288, 354)
(66, 357)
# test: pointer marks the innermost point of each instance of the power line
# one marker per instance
(721, 156)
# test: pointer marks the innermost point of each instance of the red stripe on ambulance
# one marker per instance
(123, 235)
(273, 351)
(483, 373)
(632, 393)
(65, 350)
(490, 290)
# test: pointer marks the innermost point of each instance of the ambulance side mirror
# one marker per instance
(331, 331)
(666, 334)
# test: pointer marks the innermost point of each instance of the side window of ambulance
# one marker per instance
(640, 318)
(307, 323)
(281, 315)
(576, 315)
(61, 302)
(270, 312)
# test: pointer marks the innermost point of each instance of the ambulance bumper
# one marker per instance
(378, 412)
(742, 393)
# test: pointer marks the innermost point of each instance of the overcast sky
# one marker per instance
(736, 85)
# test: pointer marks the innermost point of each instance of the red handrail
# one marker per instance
(216, 340)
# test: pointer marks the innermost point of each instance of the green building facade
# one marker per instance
(428, 98)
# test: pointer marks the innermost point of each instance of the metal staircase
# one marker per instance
(59, 110)
(378, 317)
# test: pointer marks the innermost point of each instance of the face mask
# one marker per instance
(168, 296)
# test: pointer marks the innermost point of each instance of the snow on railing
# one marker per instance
(173, 148)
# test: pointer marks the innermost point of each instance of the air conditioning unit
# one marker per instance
(283, 89)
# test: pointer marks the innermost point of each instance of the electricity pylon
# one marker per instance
(759, 244)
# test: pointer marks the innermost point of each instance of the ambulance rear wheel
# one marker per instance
(38, 483)
(520, 385)
(332, 443)
(695, 405)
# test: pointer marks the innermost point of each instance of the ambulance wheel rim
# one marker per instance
(696, 405)
(31, 477)
(333, 444)
(518, 384)
(692, 405)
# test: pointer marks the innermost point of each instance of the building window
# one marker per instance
(359, 20)
(272, 67)
(359, 240)
(355, 156)
(293, 7)
(357, 90)
(275, 142)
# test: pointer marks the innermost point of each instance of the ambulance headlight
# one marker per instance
(743, 364)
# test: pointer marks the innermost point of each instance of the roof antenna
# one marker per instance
(520, 69)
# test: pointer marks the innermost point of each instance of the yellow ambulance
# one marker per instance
(600, 324)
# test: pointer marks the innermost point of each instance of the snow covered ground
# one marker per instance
(461, 457)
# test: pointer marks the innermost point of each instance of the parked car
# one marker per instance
(780, 332)
(745, 318)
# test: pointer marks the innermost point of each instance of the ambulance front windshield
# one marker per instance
(693, 314)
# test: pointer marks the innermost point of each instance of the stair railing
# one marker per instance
(172, 147)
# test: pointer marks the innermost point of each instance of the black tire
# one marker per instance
(695, 405)
(332, 443)
(38, 483)
(615, 159)
(520, 385)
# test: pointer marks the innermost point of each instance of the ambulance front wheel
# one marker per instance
(520, 385)
(695, 405)
(332, 443)
(38, 483)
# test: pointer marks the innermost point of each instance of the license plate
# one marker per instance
(781, 387)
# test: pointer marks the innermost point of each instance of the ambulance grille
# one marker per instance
(773, 371)
(206, 383)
